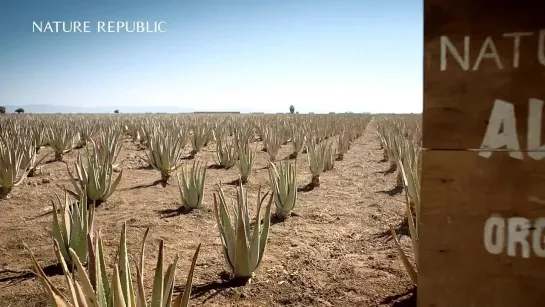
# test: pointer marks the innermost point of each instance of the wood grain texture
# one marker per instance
(460, 190)
(457, 102)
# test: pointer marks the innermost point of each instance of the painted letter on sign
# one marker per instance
(514, 236)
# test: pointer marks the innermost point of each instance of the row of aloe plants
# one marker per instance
(94, 182)
(400, 138)
(164, 140)
(77, 245)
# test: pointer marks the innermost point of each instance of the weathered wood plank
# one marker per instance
(460, 192)
(478, 52)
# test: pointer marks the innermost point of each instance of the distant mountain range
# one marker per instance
(42, 108)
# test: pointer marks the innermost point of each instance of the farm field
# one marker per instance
(334, 250)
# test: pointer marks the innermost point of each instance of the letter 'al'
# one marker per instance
(502, 116)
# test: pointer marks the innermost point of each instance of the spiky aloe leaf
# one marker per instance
(284, 185)
(158, 282)
(71, 230)
(141, 301)
(191, 185)
(406, 263)
(85, 281)
(183, 299)
(124, 269)
(95, 290)
(240, 247)
(56, 298)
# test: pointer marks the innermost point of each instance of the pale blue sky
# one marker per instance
(244, 55)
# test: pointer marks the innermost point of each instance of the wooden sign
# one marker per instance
(482, 223)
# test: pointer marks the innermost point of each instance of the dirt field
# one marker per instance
(333, 253)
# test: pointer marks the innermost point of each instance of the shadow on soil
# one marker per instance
(226, 282)
(389, 171)
(393, 191)
(402, 229)
(12, 277)
(275, 219)
(53, 161)
(48, 212)
(405, 299)
(306, 188)
(144, 167)
(235, 182)
(169, 213)
(216, 166)
(149, 185)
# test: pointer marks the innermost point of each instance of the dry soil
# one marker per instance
(335, 251)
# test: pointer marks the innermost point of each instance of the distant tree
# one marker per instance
(292, 109)
(116, 111)
(297, 112)
(2, 110)
(20, 110)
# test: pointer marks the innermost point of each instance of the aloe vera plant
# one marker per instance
(297, 141)
(165, 151)
(36, 167)
(72, 226)
(242, 248)
(108, 143)
(329, 157)
(86, 129)
(62, 138)
(39, 133)
(13, 167)
(316, 160)
(245, 161)
(272, 141)
(95, 177)
(413, 230)
(343, 144)
(409, 167)
(283, 180)
(94, 288)
(191, 185)
(226, 151)
(28, 148)
(200, 137)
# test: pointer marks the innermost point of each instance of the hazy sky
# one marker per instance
(243, 55)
